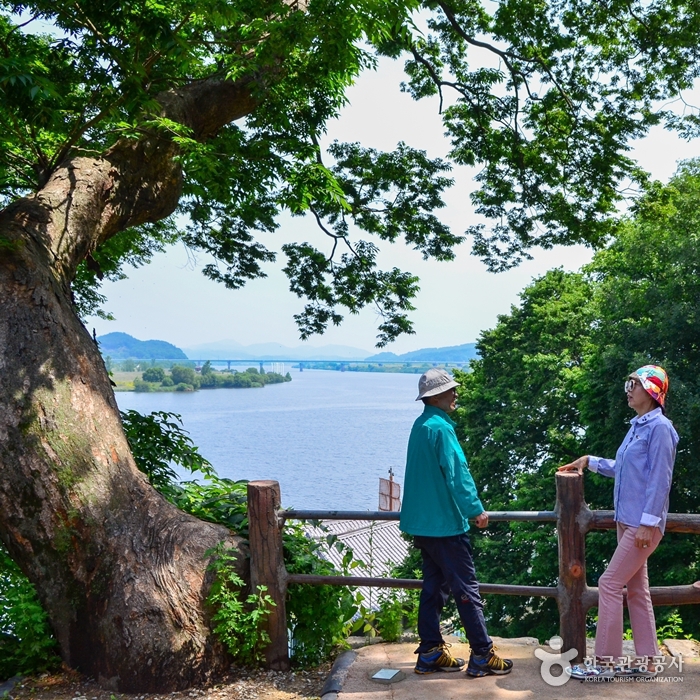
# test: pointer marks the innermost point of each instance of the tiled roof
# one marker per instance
(378, 544)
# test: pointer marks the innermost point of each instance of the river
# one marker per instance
(326, 436)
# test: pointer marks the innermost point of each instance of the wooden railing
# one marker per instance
(573, 520)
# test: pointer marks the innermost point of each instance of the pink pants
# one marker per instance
(628, 566)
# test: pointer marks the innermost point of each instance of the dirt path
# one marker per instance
(239, 684)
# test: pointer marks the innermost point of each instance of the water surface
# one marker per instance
(326, 436)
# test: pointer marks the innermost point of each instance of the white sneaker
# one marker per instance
(581, 672)
(633, 673)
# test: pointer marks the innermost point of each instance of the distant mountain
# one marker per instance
(231, 350)
(453, 353)
(120, 346)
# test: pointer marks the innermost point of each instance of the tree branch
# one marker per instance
(439, 82)
(205, 106)
(506, 56)
(88, 24)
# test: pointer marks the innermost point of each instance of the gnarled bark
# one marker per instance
(122, 573)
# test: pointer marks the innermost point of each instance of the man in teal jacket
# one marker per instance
(439, 499)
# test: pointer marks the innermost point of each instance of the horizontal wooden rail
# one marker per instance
(509, 589)
(660, 595)
(683, 522)
(675, 522)
(374, 581)
(495, 516)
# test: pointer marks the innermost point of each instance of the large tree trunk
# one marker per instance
(121, 572)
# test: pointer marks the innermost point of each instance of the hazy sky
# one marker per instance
(171, 300)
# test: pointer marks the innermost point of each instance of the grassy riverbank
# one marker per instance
(186, 379)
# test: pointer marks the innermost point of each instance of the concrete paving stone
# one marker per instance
(524, 683)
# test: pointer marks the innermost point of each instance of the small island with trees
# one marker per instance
(165, 367)
(183, 378)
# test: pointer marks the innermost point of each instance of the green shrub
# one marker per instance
(27, 644)
(239, 380)
(672, 628)
(217, 500)
(208, 380)
(239, 623)
(141, 386)
(398, 610)
(157, 440)
(153, 374)
(320, 617)
(184, 387)
(167, 381)
(184, 375)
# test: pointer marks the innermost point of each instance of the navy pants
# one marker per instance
(448, 567)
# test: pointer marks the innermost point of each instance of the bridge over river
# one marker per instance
(314, 364)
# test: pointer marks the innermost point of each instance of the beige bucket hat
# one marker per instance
(434, 382)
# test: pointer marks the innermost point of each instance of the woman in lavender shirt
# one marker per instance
(642, 469)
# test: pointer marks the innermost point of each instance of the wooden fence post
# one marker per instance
(267, 565)
(573, 516)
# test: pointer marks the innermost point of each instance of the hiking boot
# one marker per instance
(438, 659)
(489, 664)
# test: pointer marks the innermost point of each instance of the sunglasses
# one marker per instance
(631, 383)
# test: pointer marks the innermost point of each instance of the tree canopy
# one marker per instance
(127, 126)
(543, 97)
(548, 387)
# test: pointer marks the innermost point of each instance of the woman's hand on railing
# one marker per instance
(576, 466)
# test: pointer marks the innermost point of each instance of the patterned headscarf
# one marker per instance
(654, 381)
